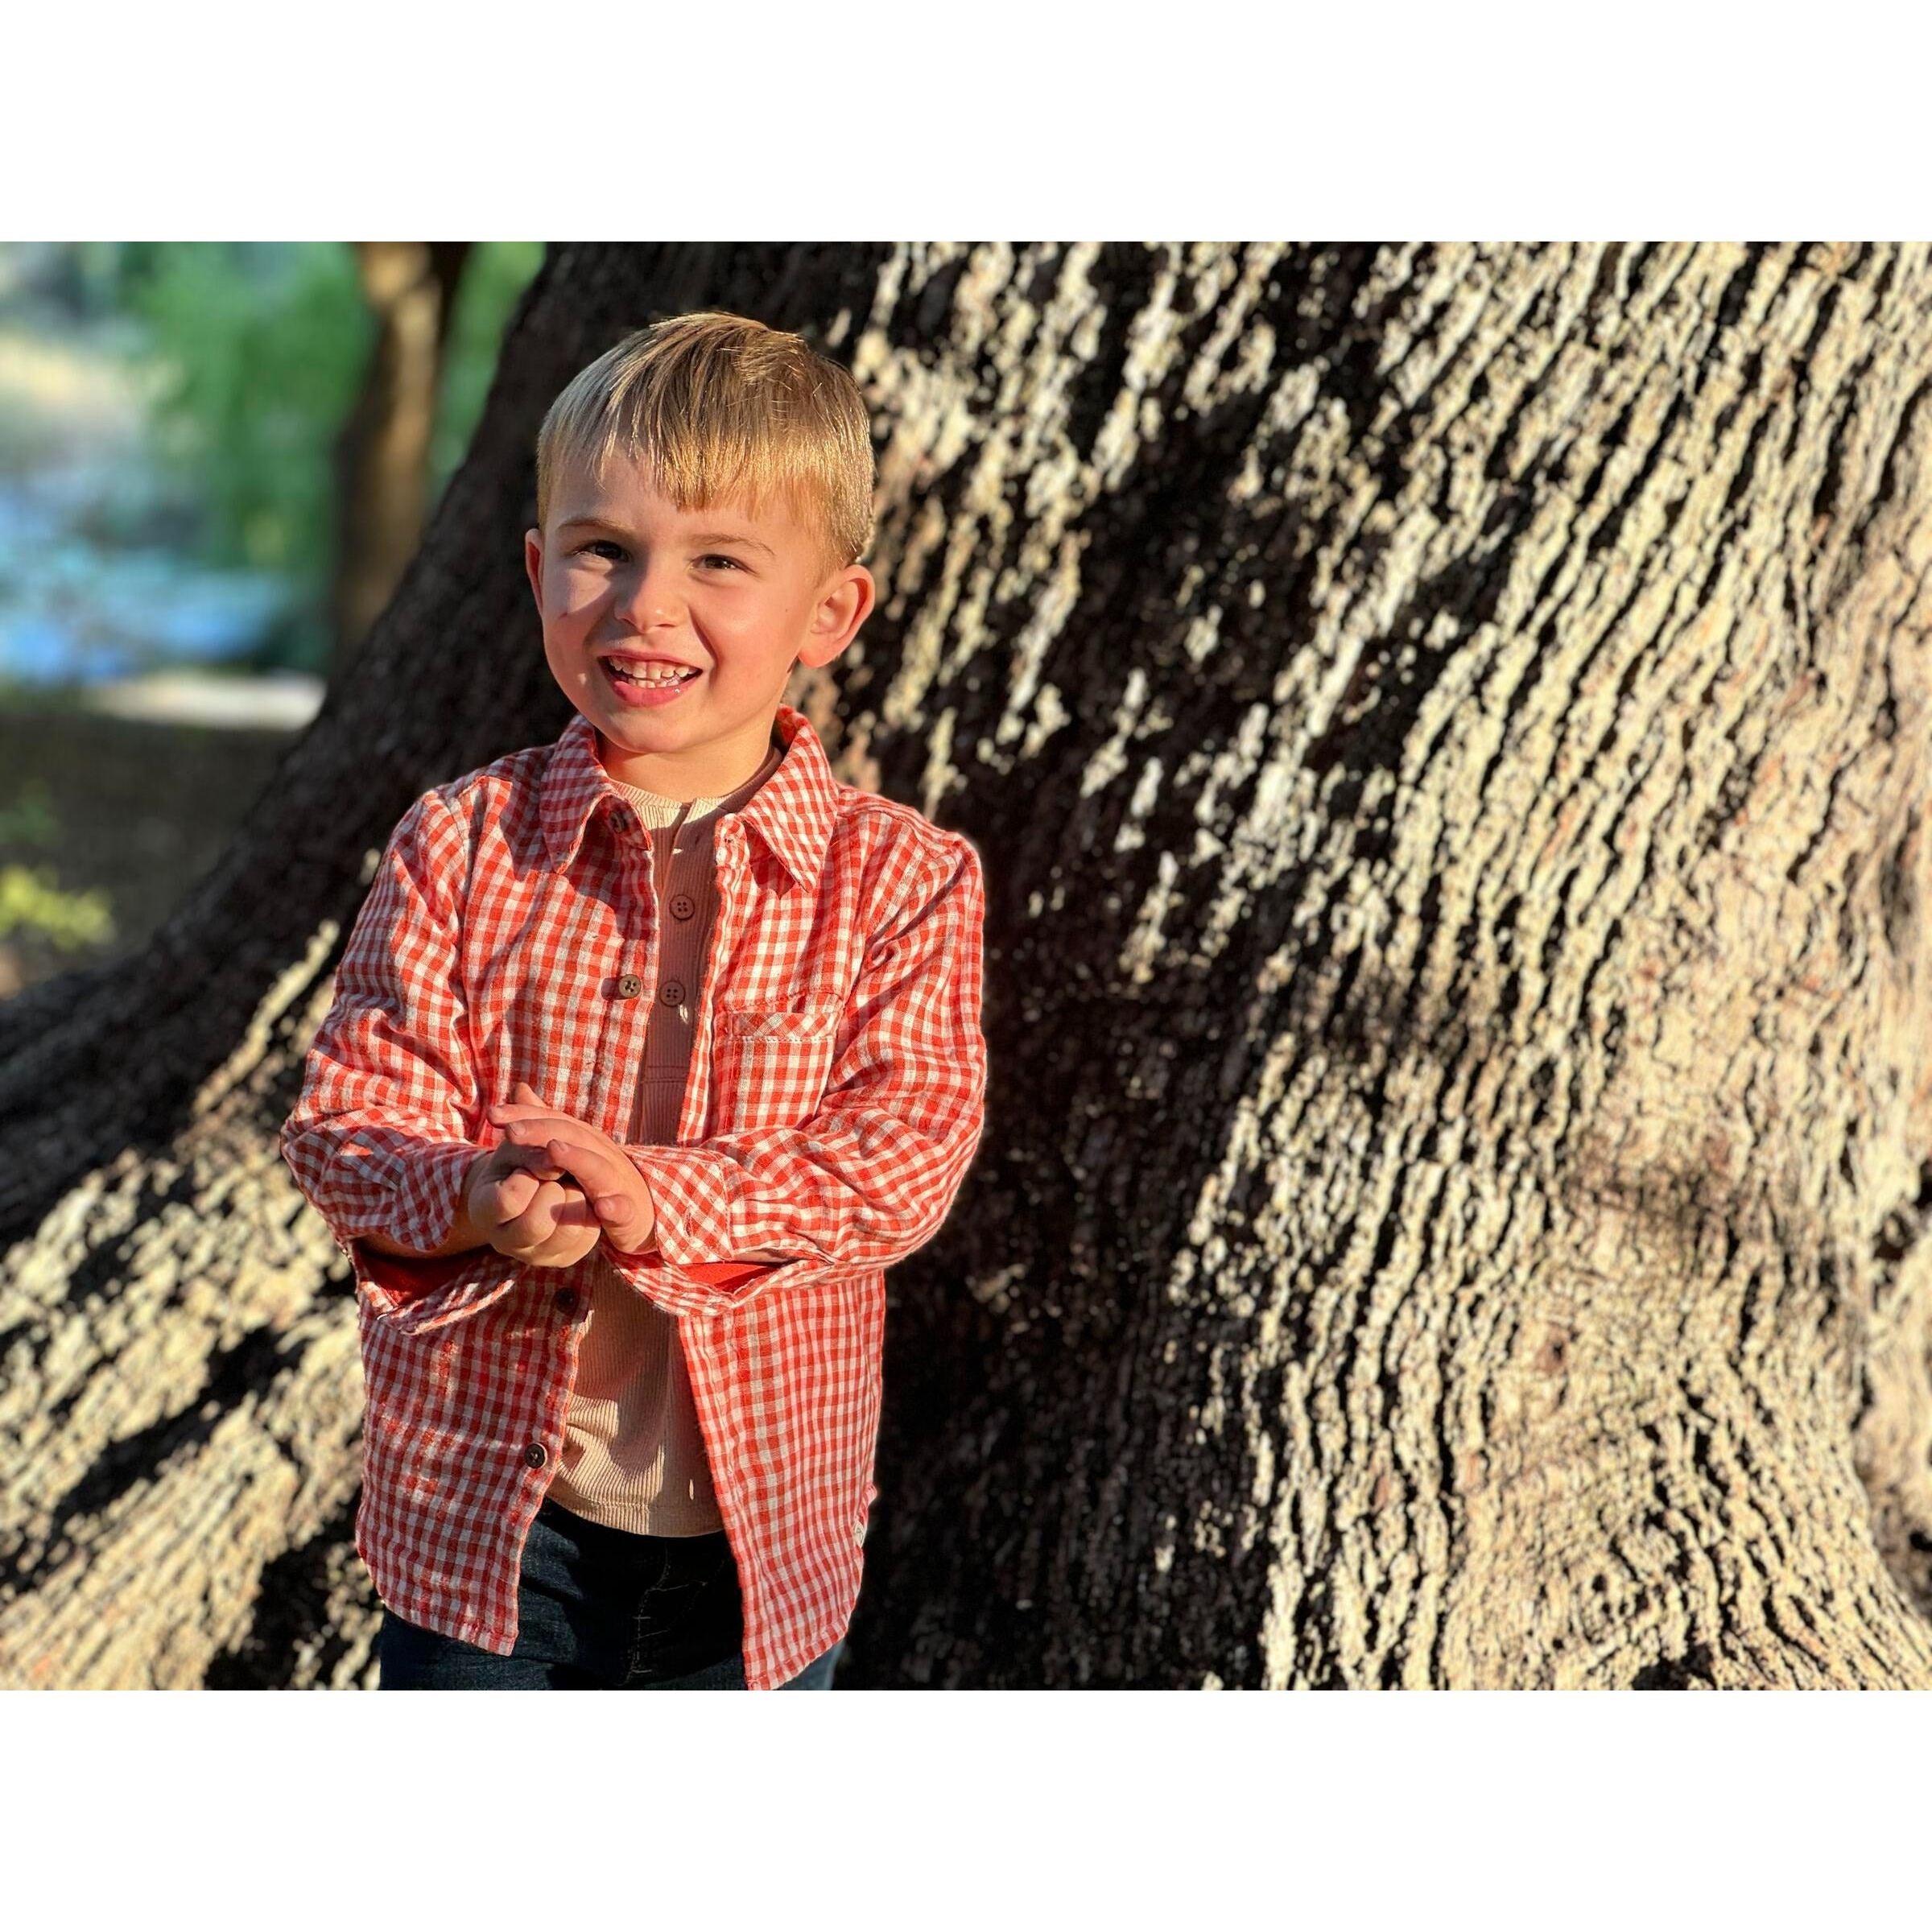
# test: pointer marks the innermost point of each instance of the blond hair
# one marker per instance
(723, 409)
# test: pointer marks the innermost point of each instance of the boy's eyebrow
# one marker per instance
(730, 536)
(700, 536)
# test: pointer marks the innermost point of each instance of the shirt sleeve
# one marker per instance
(382, 1134)
(871, 1176)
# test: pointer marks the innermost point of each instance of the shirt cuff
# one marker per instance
(421, 1288)
(681, 1271)
(429, 1191)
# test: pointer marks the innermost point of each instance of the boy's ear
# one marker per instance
(532, 564)
(845, 605)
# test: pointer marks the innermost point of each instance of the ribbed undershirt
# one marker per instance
(633, 1454)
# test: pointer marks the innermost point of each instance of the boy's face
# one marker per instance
(622, 576)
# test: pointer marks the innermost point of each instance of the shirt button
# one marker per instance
(629, 986)
(671, 993)
(682, 905)
(566, 1300)
(536, 1454)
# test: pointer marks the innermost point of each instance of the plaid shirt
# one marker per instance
(834, 1104)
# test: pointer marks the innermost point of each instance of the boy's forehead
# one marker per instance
(587, 491)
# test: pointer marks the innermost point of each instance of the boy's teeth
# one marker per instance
(648, 677)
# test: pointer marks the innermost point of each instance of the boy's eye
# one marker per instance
(600, 544)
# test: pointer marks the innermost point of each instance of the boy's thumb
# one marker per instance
(524, 1095)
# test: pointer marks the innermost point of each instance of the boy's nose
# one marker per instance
(652, 600)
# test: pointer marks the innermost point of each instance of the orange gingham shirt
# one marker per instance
(834, 1104)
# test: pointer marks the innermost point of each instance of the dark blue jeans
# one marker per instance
(600, 1609)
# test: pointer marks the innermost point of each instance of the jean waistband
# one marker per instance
(592, 1531)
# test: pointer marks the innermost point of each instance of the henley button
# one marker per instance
(536, 1455)
(629, 986)
(671, 993)
(566, 1300)
(682, 905)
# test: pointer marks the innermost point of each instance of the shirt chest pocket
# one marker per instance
(770, 1065)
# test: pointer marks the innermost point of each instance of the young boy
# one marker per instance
(651, 1049)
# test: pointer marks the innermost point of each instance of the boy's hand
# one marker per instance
(526, 1207)
(619, 1196)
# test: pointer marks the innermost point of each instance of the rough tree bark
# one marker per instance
(1447, 726)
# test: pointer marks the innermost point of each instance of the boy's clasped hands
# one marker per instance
(555, 1187)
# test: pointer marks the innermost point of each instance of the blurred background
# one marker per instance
(215, 458)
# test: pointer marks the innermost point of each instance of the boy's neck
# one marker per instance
(706, 771)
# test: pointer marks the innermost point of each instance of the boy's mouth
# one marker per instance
(655, 688)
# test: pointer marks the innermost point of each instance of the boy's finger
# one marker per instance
(532, 1135)
(597, 1168)
(598, 1173)
(515, 1192)
(568, 1144)
(524, 1184)
(567, 1198)
(522, 1109)
(533, 1127)
(531, 1157)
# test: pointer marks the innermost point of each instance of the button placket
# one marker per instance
(624, 1054)
(727, 855)
(680, 906)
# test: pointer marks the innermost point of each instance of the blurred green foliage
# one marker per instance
(261, 347)
(32, 901)
(30, 820)
(493, 282)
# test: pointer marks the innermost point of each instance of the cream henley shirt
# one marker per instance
(633, 1455)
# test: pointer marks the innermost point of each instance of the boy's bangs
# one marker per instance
(718, 411)
(697, 472)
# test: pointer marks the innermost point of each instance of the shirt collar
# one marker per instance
(792, 811)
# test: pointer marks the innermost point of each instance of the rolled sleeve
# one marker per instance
(872, 1175)
(383, 1131)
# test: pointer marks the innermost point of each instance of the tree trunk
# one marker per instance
(1447, 728)
(382, 456)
